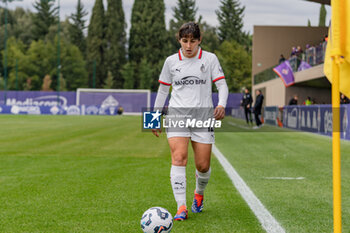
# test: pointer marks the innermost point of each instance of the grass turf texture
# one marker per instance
(99, 174)
(299, 205)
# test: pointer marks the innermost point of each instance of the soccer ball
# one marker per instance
(156, 220)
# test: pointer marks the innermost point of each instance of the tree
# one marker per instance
(109, 83)
(137, 41)
(154, 27)
(116, 40)
(148, 37)
(308, 23)
(145, 75)
(19, 26)
(128, 73)
(236, 63)
(37, 59)
(96, 45)
(45, 17)
(73, 67)
(323, 15)
(185, 11)
(24, 26)
(10, 23)
(16, 55)
(247, 42)
(230, 18)
(77, 27)
(10, 17)
(40, 60)
(210, 41)
(64, 32)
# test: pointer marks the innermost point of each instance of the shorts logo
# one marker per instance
(151, 120)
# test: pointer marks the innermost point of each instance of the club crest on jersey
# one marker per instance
(190, 80)
(203, 68)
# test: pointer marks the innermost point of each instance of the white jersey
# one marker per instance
(191, 79)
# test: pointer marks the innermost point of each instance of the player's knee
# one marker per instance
(179, 159)
(203, 167)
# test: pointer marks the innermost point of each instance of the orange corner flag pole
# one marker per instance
(336, 148)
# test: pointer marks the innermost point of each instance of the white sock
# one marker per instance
(202, 180)
(178, 183)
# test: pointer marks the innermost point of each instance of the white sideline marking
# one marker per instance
(284, 178)
(268, 222)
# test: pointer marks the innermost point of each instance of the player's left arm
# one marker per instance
(218, 78)
(219, 112)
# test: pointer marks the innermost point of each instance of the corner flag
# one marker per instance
(338, 46)
(337, 70)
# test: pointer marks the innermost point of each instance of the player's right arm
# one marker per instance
(163, 91)
(162, 94)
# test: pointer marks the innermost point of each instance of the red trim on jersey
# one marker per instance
(222, 77)
(180, 58)
(200, 54)
(167, 84)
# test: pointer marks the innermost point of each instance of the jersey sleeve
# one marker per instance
(165, 76)
(216, 73)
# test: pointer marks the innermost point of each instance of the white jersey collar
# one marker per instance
(198, 56)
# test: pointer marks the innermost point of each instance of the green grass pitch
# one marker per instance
(99, 174)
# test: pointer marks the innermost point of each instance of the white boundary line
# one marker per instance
(268, 222)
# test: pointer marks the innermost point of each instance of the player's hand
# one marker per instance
(219, 112)
(156, 132)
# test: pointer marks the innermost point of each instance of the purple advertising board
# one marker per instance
(237, 112)
(26, 102)
(316, 119)
(271, 115)
(233, 100)
(131, 102)
(309, 118)
(37, 98)
(58, 110)
(66, 98)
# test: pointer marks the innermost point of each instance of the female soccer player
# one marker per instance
(191, 72)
